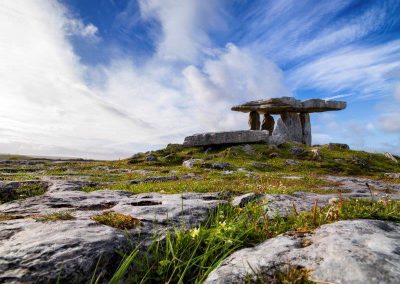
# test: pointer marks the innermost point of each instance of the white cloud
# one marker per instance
(234, 76)
(184, 24)
(360, 70)
(397, 92)
(46, 107)
(390, 122)
(78, 28)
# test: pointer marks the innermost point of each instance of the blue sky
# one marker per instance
(108, 78)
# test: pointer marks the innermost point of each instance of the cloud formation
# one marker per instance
(51, 103)
(49, 107)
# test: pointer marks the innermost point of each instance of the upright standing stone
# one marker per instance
(293, 125)
(306, 128)
(268, 123)
(281, 130)
(254, 120)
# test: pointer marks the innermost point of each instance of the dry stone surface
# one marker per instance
(357, 251)
(31, 250)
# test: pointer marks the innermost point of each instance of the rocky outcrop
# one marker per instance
(32, 250)
(232, 137)
(357, 251)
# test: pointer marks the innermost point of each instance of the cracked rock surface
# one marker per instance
(357, 251)
(69, 249)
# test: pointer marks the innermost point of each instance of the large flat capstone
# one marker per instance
(232, 137)
(289, 104)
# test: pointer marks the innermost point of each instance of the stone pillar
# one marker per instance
(268, 123)
(254, 120)
(293, 126)
(306, 128)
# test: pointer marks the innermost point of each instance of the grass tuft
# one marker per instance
(22, 192)
(116, 220)
(56, 216)
(188, 256)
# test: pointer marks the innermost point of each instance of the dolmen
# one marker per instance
(292, 125)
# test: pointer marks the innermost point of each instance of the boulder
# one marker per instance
(217, 166)
(248, 149)
(391, 157)
(291, 162)
(356, 251)
(338, 146)
(192, 162)
(259, 165)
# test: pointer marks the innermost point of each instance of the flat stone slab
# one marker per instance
(289, 104)
(232, 137)
(356, 251)
(33, 251)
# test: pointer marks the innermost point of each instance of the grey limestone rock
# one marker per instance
(232, 137)
(306, 128)
(191, 163)
(357, 251)
(32, 251)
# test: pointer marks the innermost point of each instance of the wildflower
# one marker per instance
(194, 232)
(222, 224)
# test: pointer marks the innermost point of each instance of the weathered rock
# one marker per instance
(268, 123)
(242, 200)
(232, 137)
(151, 158)
(315, 154)
(291, 162)
(293, 124)
(273, 155)
(254, 120)
(33, 251)
(391, 157)
(297, 151)
(248, 149)
(392, 175)
(357, 251)
(338, 146)
(192, 162)
(289, 104)
(154, 179)
(217, 166)
(259, 165)
(306, 128)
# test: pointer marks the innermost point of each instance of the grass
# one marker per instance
(116, 220)
(188, 256)
(6, 217)
(23, 191)
(56, 216)
(288, 275)
(169, 162)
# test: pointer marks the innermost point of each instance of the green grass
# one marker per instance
(116, 220)
(189, 256)
(22, 192)
(56, 216)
